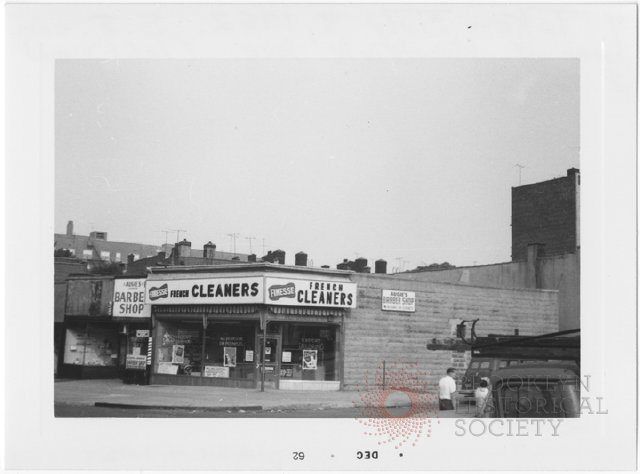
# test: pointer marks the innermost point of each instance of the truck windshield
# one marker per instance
(538, 398)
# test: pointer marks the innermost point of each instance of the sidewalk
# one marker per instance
(114, 392)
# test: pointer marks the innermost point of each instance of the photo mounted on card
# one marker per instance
(406, 228)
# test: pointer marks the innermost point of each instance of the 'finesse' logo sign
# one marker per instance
(160, 292)
(282, 291)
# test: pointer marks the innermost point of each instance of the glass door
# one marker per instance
(271, 361)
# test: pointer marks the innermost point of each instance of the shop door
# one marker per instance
(271, 361)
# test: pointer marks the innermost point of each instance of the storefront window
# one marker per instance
(91, 345)
(230, 351)
(179, 348)
(308, 352)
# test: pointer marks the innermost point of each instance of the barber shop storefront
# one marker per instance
(249, 326)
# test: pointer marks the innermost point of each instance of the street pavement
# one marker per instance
(111, 397)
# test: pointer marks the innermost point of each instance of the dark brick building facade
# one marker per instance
(546, 213)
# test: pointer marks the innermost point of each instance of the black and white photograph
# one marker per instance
(395, 254)
(412, 247)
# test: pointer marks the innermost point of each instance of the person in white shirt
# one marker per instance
(446, 389)
(482, 397)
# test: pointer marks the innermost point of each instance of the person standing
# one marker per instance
(446, 390)
(482, 397)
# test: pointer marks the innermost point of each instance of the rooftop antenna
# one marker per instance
(400, 264)
(519, 166)
(250, 239)
(177, 231)
(166, 236)
(233, 237)
(263, 247)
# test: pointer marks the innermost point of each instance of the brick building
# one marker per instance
(96, 246)
(545, 247)
(546, 213)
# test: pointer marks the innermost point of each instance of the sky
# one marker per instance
(408, 160)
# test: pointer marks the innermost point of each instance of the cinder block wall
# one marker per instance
(400, 339)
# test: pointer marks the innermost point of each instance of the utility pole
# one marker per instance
(233, 237)
(250, 239)
(519, 166)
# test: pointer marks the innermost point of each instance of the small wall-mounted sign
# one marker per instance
(397, 300)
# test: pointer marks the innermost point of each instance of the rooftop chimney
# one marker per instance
(69, 228)
(183, 249)
(301, 259)
(252, 258)
(360, 265)
(381, 266)
(277, 256)
(209, 250)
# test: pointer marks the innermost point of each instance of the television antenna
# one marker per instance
(177, 231)
(233, 237)
(519, 166)
(250, 239)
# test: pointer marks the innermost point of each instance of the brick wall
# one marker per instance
(544, 213)
(373, 335)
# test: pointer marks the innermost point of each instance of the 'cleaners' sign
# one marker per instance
(292, 292)
(206, 291)
(129, 299)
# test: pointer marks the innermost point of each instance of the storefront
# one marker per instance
(249, 326)
(133, 318)
(106, 329)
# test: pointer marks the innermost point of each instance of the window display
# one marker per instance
(91, 346)
(310, 352)
(230, 346)
(179, 349)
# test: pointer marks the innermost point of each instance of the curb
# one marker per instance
(175, 407)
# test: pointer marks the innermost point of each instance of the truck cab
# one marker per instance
(537, 390)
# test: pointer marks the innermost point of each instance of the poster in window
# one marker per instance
(177, 356)
(248, 356)
(286, 356)
(216, 371)
(229, 357)
(309, 359)
(167, 368)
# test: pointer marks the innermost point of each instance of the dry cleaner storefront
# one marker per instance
(249, 325)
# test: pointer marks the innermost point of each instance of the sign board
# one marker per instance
(142, 333)
(167, 368)
(136, 362)
(216, 371)
(230, 290)
(318, 293)
(129, 298)
(397, 300)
